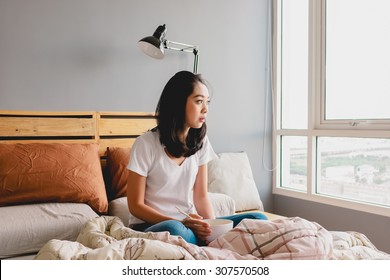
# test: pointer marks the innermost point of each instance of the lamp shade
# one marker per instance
(153, 45)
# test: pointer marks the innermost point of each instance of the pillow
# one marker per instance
(117, 160)
(29, 227)
(52, 172)
(231, 174)
(223, 205)
(118, 207)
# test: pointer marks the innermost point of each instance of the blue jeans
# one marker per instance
(177, 228)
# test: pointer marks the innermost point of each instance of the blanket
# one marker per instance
(106, 237)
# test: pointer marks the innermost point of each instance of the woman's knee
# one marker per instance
(175, 227)
(172, 226)
(255, 215)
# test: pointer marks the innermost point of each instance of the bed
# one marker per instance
(63, 190)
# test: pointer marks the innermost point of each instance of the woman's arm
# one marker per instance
(136, 185)
(201, 198)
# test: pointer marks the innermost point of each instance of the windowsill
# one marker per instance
(344, 203)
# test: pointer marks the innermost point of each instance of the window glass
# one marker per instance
(354, 168)
(357, 59)
(294, 162)
(294, 66)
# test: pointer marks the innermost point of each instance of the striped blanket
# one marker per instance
(291, 238)
(106, 237)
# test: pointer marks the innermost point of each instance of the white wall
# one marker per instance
(82, 55)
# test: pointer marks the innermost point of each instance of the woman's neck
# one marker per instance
(183, 135)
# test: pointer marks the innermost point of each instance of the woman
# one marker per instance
(168, 165)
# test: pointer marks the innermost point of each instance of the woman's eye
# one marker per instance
(199, 101)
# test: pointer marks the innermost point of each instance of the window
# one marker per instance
(331, 95)
(354, 168)
(294, 162)
(357, 44)
(294, 65)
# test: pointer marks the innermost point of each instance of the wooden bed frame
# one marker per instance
(108, 129)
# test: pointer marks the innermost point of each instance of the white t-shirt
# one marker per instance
(167, 183)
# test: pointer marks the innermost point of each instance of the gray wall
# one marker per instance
(82, 55)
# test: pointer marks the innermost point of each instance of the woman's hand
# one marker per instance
(201, 229)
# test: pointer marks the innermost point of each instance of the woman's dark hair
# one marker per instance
(170, 115)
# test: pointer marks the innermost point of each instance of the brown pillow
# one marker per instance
(51, 172)
(117, 160)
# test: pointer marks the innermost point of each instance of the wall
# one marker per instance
(82, 55)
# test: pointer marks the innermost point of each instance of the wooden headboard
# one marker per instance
(108, 129)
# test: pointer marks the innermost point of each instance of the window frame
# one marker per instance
(317, 124)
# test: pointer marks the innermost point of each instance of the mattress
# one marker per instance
(26, 228)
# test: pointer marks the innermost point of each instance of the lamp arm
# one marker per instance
(170, 45)
(184, 47)
(196, 60)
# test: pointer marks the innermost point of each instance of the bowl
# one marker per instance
(218, 227)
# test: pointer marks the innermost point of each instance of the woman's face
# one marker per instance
(197, 106)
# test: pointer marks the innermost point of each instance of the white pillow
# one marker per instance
(118, 207)
(222, 204)
(231, 174)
